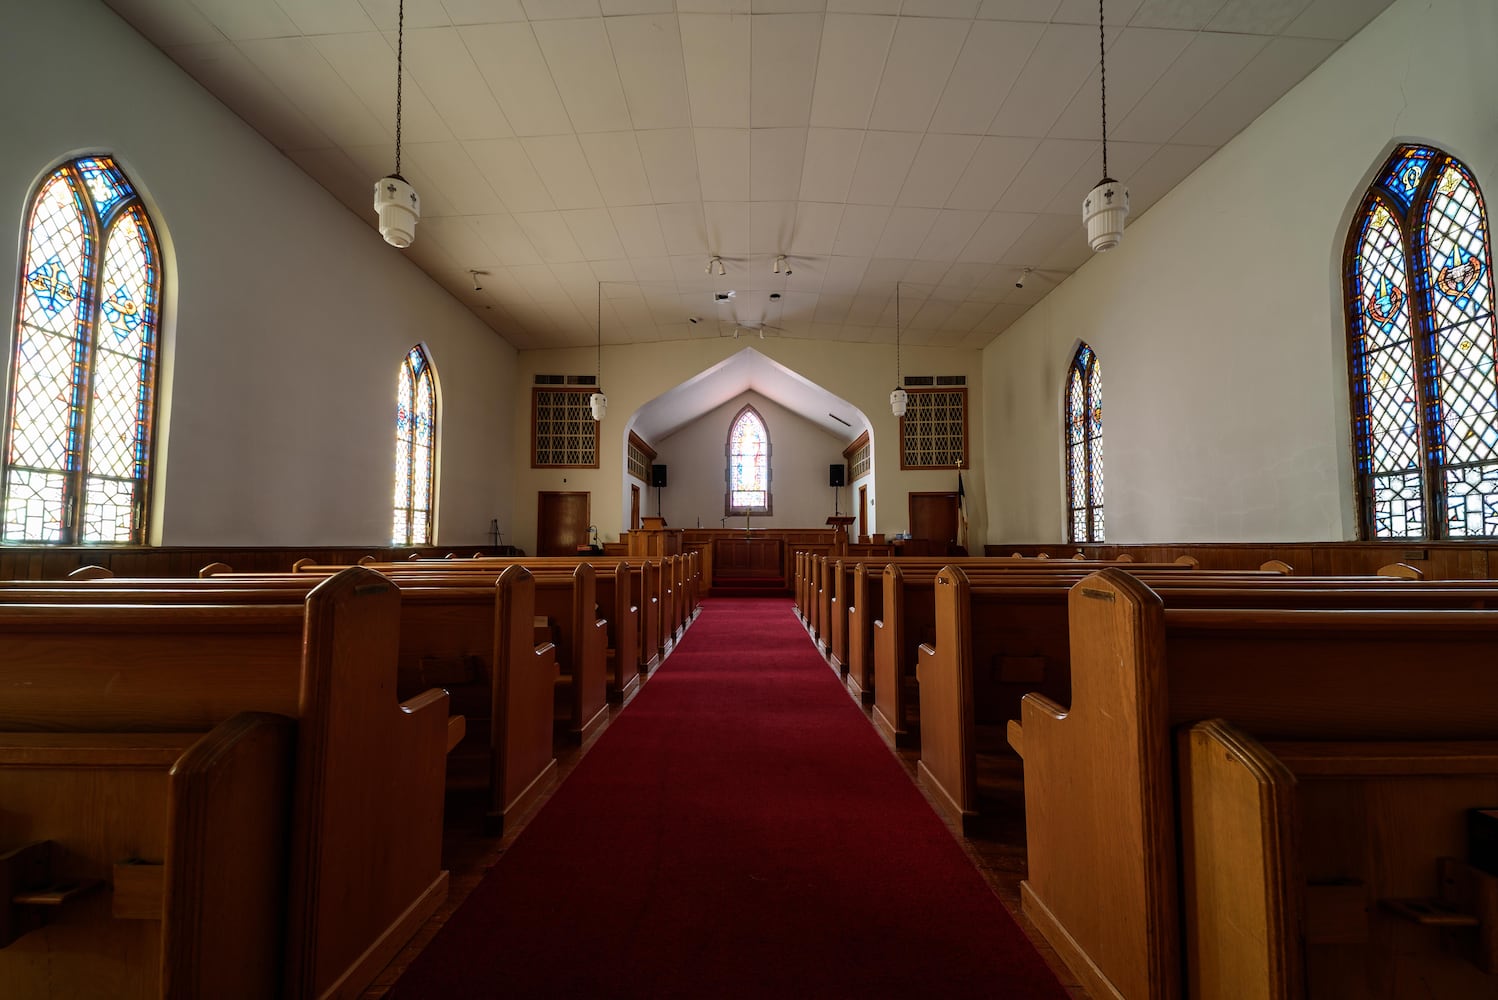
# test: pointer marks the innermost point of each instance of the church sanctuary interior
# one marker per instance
(608, 498)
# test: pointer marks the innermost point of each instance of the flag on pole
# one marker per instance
(961, 514)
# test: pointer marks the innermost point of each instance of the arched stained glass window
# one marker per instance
(748, 464)
(82, 404)
(1421, 352)
(1084, 447)
(415, 447)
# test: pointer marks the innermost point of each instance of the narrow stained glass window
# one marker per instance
(1084, 447)
(80, 416)
(748, 464)
(415, 446)
(1421, 352)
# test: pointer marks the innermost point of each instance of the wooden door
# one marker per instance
(562, 521)
(863, 512)
(933, 516)
(634, 508)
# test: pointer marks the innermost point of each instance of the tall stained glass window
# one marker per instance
(415, 446)
(1084, 447)
(82, 403)
(748, 464)
(1419, 294)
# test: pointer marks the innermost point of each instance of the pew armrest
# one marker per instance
(457, 728)
(1015, 732)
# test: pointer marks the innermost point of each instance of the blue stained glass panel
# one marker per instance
(106, 185)
(1084, 446)
(415, 437)
(1405, 173)
(748, 463)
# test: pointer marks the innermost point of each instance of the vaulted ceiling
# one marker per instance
(572, 150)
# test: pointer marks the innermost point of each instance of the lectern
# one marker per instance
(841, 522)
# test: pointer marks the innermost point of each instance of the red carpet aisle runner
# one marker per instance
(739, 831)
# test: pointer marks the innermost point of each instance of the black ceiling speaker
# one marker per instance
(837, 475)
(658, 475)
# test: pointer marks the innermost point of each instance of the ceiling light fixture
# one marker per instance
(715, 262)
(1023, 274)
(395, 200)
(475, 275)
(598, 401)
(1107, 204)
(779, 261)
(899, 398)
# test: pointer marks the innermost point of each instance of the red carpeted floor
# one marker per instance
(739, 831)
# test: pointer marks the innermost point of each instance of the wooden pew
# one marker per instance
(182, 837)
(1099, 796)
(1334, 868)
(366, 808)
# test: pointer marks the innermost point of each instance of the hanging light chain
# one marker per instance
(599, 381)
(400, 45)
(1102, 59)
(897, 335)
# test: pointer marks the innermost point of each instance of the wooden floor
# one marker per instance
(997, 850)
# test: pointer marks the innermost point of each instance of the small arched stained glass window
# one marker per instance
(81, 412)
(415, 449)
(748, 464)
(1421, 352)
(1084, 447)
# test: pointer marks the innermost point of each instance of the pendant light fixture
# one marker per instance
(1107, 204)
(899, 398)
(395, 200)
(598, 401)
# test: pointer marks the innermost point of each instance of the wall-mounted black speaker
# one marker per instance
(658, 475)
(837, 475)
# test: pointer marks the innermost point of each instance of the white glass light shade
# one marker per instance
(399, 208)
(600, 404)
(1103, 213)
(897, 402)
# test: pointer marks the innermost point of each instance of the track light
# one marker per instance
(779, 260)
(715, 262)
(474, 274)
(1023, 274)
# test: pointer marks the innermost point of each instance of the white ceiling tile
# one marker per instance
(949, 234)
(771, 224)
(1192, 15)
(538, 10)
(483, 11)
(832, 308)
(962, 278)
(936, 169)
(1261, 17)
(593, 229)
(1071, 254)
(512, 64)
(1125, 159)
(1041, 238)
(994, 238)
(639, 230)
(1136, 60)
(1281, 64)
(647, 53)
(883, 163)
(992, 57)
(684, 228)
(455, 174)
(723, 163)
(1018, 10)
(168, 23)
(670, 157)
(240, 21)
(508, 243)
(385, 13)
(510, 173)
(863, 6)
(1052, 165)
(712, 6)
(965, 9)
(548, 233)
(1058, 67)
(319, 92)
(653, 269)
(923, 272)
(932, 315)
(438, 62)
(326, 17)
(361, 61)
(920, 60)
(816, 227)
(617, 166)
(581, 286)
(581, 61)
(715, 48)
(230, 76)
(613, 8)
(859, 229)
(1208, 63)
(831, 158)
(993, 167)
(1336, 19)
(727, 228)
(776, 156)
(784, 56)
(1120, 12)
(564, 170)
(905, 231)
(460, 237)
(787, 6)
(1162, 172)
(848, 69)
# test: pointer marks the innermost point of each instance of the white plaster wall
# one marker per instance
(800, 453)
(1218, 321)
(862, 374)
(286, 316)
